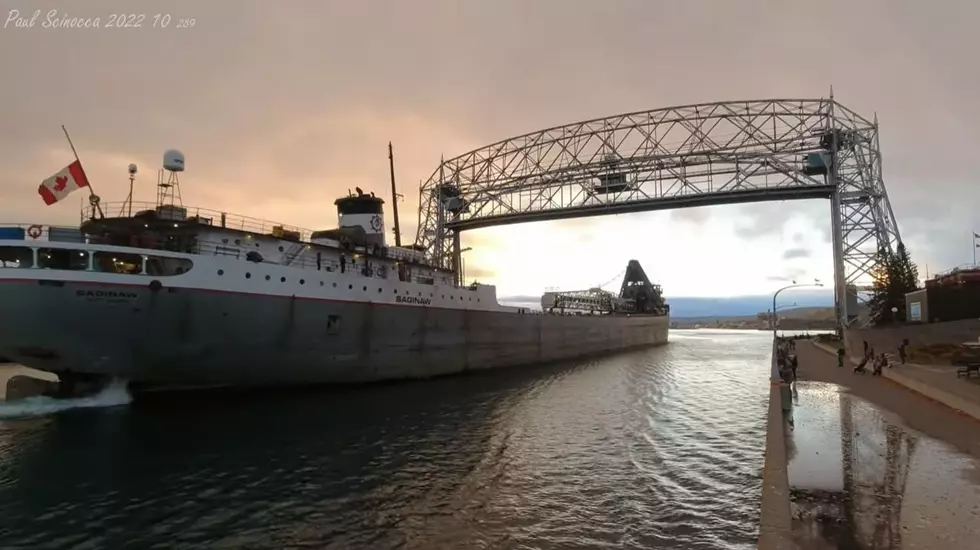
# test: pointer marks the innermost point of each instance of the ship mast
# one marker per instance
(394, 196)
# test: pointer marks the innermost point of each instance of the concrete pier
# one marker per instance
(858, 439)
(775, 530)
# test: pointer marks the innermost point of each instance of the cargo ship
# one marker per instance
(166, 296)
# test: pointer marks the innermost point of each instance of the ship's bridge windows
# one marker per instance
(117, 262)
(16, 256)
(62, 258)
(161, 266)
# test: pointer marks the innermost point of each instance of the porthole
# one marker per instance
(224, 241)
(350, 287)
(221, 272)
(443, 296)
(335, 285)
(238, 241)
(256, 245)
(302, 281)
(280, 249)
(420, 293)
(380, 289)
(395, 291)
(451, 298)
(282, 279)
(364, 289)
(248, 275)
(267, 277)
(321, 283)
(477, 299)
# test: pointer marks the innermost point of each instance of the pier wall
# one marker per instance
(888, 339)
(775, 529)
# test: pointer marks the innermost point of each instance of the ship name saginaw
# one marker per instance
(413, 300)
(111, 295)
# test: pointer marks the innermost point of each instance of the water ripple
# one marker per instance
(661, 448)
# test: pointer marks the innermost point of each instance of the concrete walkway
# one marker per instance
(900, 390)
(937, 382)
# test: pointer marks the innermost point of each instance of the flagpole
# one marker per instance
(974, 249)
(93, 201)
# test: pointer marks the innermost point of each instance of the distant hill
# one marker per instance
(738, 306)
(800, 313)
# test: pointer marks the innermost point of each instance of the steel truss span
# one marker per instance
(694, 155)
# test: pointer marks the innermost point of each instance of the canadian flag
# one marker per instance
(61, 185)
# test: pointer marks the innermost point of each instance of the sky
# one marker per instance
(281, 107)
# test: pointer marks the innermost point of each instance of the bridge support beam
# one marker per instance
(840, 276)
(457, 272)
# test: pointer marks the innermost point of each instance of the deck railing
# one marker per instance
(955, 270)
(44, 231)
(367, 265)
(215, 218)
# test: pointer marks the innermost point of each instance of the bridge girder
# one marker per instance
(677, 157)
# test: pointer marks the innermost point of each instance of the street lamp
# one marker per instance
(816, 282)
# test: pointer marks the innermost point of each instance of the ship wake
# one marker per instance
(113, 395)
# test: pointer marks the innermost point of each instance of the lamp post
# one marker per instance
(775, 372)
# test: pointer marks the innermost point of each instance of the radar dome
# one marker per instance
(132, 168)
(173, 160)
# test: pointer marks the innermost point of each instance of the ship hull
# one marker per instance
(194, 337)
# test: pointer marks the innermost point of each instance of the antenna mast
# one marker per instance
(394, 196)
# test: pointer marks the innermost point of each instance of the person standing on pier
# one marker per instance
(840, 358)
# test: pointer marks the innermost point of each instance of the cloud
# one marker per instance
(302, 108)
(695, 216)
(763, 219)
(791, 275)
(795, 253)
(477, 273)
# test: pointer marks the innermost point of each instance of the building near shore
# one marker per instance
(950, 296)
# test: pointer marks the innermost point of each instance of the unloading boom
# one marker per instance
(637, 295)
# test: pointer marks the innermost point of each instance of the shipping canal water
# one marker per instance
(661, 448)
